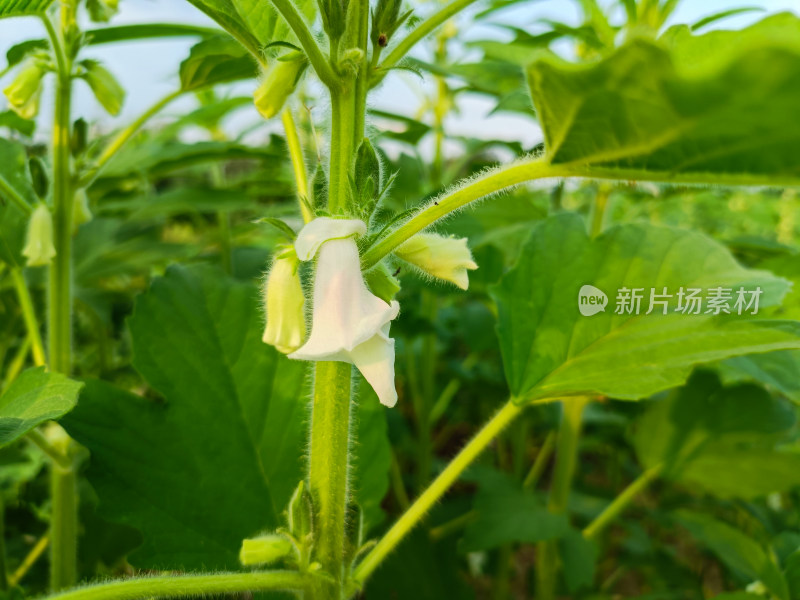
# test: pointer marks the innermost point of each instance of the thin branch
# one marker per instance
(307, 40)
(183, 586)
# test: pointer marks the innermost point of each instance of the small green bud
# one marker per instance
(299, 513)
(333, 18)
(106, 88)
(280, 81)
(264, 550)
(39, 249)
(80, 136)
(319, 189)
(24, 91)
(285, 304)
(382, 283)
(386, 20)
(39, 177)
(81, 213)
(442, 257)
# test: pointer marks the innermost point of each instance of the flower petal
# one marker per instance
(375, 359)
(322, 229)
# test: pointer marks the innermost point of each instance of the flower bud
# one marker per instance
(285, 305)
(442, 257)
(299, 513)
(264, 550)
(81, 213)
(279, 83)
(39, 249)
(23, 93)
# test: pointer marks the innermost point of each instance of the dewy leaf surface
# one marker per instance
(684, 105)
(218, 460)
(551, 350)
(33, 398)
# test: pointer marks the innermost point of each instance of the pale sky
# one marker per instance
(148, 70)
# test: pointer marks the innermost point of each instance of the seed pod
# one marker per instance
(264, 550)
(39, 177)
(106, 88)
(24, 91)
(39, 249)
(80, 136)
(280, 81)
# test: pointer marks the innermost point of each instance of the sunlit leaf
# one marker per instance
(20, 8)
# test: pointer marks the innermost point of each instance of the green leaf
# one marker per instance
(13, 121)
(268, 25)
(688, 105)
(34, 397)
(218, 460)
(736, 550)
(21, 8)
(224, 12)
(216, 60)
(507, 513)
(726, 440)
(775, 369)
(551, 350)
(732, 12)
(15, 182)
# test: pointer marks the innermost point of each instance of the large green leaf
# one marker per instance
(21, 8)
(738, 551)
(217, 461)
(34, 397)
(224, 12)
(726, 440)
(551, 350)
(721, 106)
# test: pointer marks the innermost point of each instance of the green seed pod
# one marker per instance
(23, 93)
(81, 213)
(264, 550)
(80, 136)
(299, 513)
(106, 88)
(39, 249)
(279, 83)
(39, 177)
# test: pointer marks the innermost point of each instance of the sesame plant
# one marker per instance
(207, 437)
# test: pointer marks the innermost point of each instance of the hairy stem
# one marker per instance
(566, 459)
(298, 163)
(343, 146)
(185, 586)
(621, 502)
(318, 60)
(436, 490)
(329, 464)
(29, 316)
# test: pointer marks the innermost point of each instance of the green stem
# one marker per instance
(318, 60)
(7, 191)
(566, 459)
(539, 465)
(183, 586)
(29, 316)
(29, 560)
(63, 527)
(124, 136)
(63, 485)
(436, 490)
(298, 163)
(329, 463)
(40, 441)
(422, 30)
(343, 125)
(621, 502)
(490, 183)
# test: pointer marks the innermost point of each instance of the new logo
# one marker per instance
(591, 301)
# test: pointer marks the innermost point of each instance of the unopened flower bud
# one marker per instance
(81, 213)
(264, 550)
(442, 257)
(299, 513)
(23, 93)
(285, 305)
(279, 83)
(39, 249)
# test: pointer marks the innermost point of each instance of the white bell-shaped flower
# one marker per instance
(443, 257)
(349, 323)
